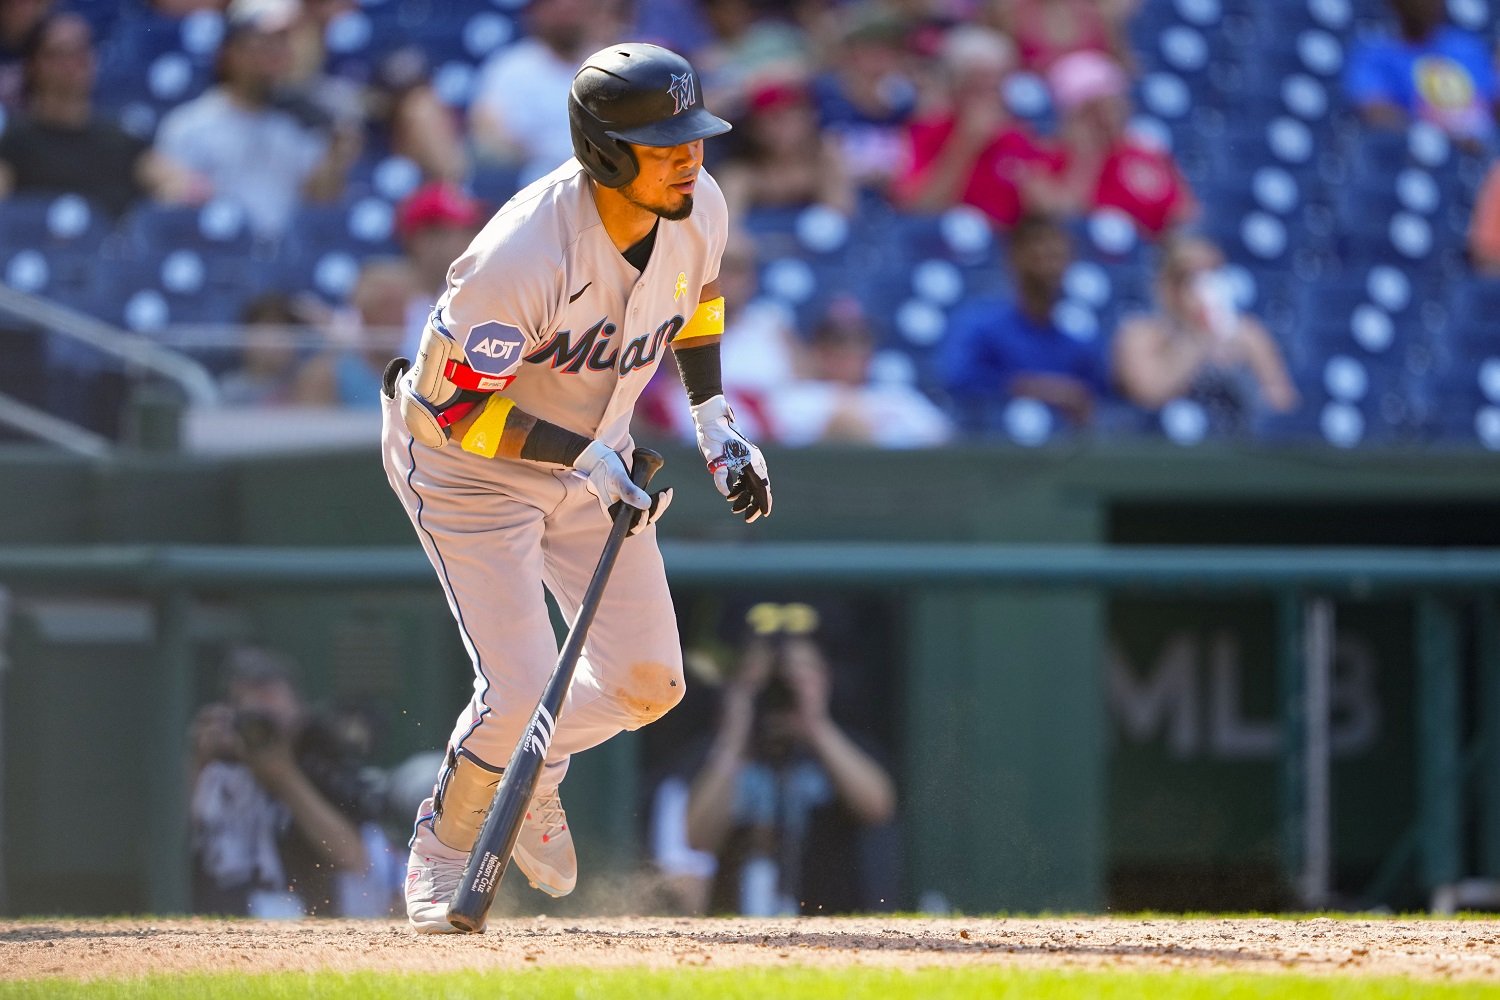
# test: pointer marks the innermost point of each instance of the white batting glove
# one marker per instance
(609, 481)
(738, 467)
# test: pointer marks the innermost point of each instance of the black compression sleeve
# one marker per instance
(699, 368)
(550, 443)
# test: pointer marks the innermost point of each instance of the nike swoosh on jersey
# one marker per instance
(574, 297)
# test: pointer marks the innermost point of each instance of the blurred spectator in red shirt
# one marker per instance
(972, 150)
(783, 160)
(1484, 225)
(1046, 30)
(18, 18)
(1103, 165)
(866, 96)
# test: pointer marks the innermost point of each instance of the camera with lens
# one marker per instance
(255, 729)
(775, 624)
(777, 695)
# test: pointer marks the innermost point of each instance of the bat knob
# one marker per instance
(645, 463)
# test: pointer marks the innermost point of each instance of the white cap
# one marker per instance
(262, 15)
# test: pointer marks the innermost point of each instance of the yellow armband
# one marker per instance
(707, 321)
(483, 436)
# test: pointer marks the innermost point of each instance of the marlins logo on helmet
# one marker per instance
(682, 91)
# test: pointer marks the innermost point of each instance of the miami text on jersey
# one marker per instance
(592, 351)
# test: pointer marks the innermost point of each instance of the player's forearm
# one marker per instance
(933, 190)
(521, 436)
(699, 368)
(942, 182)
(711, 799)
(1265, 362)
(860, 782)
(710, 802)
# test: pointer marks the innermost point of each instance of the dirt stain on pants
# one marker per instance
(651, 690)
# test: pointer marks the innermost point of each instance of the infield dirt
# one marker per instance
(115, 948)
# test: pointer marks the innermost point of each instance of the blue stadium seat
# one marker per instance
(47, 222)
(495, 184)
(151, 297)
(1475, 300)
(1400, 239)
(141, 35)
(1470, 410)
(1361, 401)
(1350, 240)
(152, 230)
(361, 225)
(62, 274)
(102, 15)
(443, 30)
(326, 272)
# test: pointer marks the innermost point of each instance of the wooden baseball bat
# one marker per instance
(497, 838)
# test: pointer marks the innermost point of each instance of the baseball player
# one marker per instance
(504, 442)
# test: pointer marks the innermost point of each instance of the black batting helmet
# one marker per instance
(637, 93)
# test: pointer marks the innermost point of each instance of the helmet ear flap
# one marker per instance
(608, 160)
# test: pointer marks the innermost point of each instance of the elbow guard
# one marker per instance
(431, 394)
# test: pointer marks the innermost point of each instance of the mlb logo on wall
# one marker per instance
(494, 348)
(682, 91)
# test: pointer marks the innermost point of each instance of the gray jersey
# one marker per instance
(548, 312)
(543, 299)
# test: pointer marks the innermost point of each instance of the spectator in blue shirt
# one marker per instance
(1433, 72)
(998, 350)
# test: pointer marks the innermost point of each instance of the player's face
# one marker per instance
(664, 185)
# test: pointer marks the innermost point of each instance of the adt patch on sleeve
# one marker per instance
(494, 348)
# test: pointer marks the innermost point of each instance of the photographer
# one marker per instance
(277, 800)
(786, 796)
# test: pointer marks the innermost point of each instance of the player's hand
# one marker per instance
(609, 481)
(738, 467)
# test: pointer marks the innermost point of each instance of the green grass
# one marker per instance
(757, 984)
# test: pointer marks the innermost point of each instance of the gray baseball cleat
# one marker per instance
(544, 848)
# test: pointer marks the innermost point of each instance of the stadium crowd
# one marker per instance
(1023, 219)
